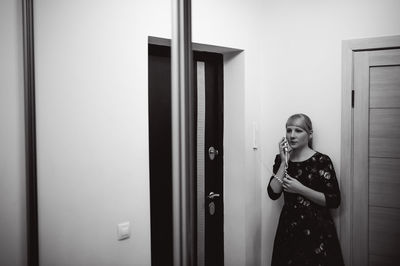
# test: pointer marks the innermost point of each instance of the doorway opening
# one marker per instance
(208, 84)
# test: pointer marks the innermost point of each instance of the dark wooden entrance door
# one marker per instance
(209, 84)
(208, 76)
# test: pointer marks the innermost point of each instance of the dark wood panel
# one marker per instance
(384, 232)
(385, 87)
(384, 182)
(384, 133)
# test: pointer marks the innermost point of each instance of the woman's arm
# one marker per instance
(276, 184)
(276, 181)
(275, 193)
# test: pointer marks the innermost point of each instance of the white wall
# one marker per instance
(12, 149)
(302, 66)
(92, 128)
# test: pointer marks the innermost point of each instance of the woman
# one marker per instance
(306, 234)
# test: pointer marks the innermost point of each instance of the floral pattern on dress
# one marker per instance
(306, 234)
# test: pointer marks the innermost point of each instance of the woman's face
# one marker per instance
(296, 136)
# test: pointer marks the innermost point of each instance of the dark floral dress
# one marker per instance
(306, 234)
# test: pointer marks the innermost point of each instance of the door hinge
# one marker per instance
(352, 99)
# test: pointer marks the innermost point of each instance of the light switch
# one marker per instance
(124, 231)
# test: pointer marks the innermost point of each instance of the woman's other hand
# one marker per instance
(292, 185)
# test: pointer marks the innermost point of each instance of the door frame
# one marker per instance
(234, 142)
(349, 47)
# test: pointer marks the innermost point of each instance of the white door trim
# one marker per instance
(349, 47)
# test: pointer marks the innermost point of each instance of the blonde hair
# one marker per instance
(306, 124)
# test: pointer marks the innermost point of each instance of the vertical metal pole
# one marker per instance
(30, 134)
(182, 135)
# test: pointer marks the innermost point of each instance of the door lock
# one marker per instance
(212, 152)
(211, 208)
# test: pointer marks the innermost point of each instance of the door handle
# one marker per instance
(212, 152)
(213, 195)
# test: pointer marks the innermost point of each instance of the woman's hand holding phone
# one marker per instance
(284, 149)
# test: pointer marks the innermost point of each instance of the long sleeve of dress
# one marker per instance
(271, 193)
(330, 186)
